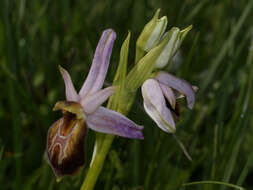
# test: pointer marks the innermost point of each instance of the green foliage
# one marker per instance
(217, 56)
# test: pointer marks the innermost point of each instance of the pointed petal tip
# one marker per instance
(157, 13)
(190, 105)
(70, 91)
(135, 135)
(99, 67)
(59, 105)
(109, 33)
(62, 70)
(60, 67)
(187, 29)
(140, 137)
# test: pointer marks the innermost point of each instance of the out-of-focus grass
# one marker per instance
(217, 56)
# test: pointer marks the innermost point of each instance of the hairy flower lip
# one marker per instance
(63, 158)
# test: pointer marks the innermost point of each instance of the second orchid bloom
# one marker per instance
(156, 91)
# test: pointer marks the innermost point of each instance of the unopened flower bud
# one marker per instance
(151, 35)
(171, 42)
(157, 57)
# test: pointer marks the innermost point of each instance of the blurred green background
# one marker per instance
(217, 55)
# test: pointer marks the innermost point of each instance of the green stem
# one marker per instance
(97, 164)
(103, 143)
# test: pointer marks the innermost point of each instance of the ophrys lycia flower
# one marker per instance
(83, 110)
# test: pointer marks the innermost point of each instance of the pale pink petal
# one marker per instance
(99, 67)
(92, 101)
(71, 94)
(179, 95)
(169, 94)
(108, 121)
(178, 84)
(155, 106)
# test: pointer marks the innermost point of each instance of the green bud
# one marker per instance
(151, 35)
(171, 42)
(159, 55)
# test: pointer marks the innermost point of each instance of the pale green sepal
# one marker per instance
(157, 33)
(169, 48)
(176, 38)
(150, 36)
(142, 39)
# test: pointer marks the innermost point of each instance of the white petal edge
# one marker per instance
(155, 106)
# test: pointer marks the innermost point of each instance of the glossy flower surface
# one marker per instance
(83, 110)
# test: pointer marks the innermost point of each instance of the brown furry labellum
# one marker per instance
(66, 144)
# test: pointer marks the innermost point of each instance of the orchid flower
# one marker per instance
(83, 110)
(156, 91)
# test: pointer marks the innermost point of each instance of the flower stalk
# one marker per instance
(156, 56)
(102, 146)
(98, 162)
(117, 103)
